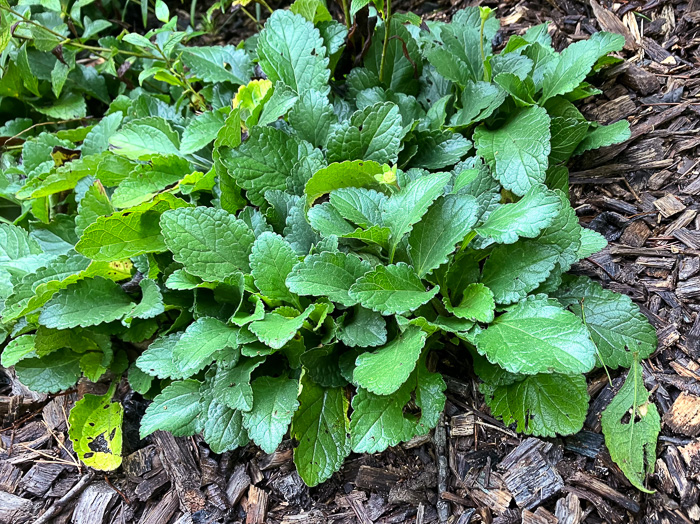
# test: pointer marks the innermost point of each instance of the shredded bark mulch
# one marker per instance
(641, 195)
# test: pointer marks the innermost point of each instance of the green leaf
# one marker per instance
(290, 49)
(321, 426)
(438, 149)
(196, 347)
(365, 329)
(447, 222)
(95, 424)
(18, 349)
(328, 274)
(526, 218)
(518, 151)
(391, 289)
(147, 180)
(537, 336)
(264, 161)
(202, 130)
(176, 410)
(232, 383)
(129, 233)
(223, 429)
(632, 444)
(378, 421)
(88, 302)
(219, 64)
(477, 304)
(373, 133)
(94, 204)
(151, 304)
(408, 206)
(567, 134)
(275, 330)
(157, 360)
(271, 261)
(430, 396)
(512, 271)
(403, 63)
(479, 101)
(274, 404)
(356, 174)
(616, 325)
(544, 405)
(591, 243)
(146, 137)
(282, 100)
(312, 117)
(50, 374)
(603, 136)
(576, 61)
(210, 243)
(359, 205)
(384, 371)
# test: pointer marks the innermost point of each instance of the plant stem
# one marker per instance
(481, 46)
(346, 12)
(265, 5)
(387, 30)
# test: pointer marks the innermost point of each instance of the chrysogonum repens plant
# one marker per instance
(280, 253)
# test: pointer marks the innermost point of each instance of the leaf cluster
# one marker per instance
(290, 248)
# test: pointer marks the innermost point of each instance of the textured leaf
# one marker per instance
(537, 336)
(274, 404)
(439, 149)
(202, 130)
(147, 180)
(603, 136)
(358, 205)
(477, 303)
(157, 360)
(402, 60)
(391, 289)
(526, 218)
(616, 325)
(518, 151)
(88, 302)
(632, 444)
(219, 64)
(544, 405)
(447, 222)
(96, 431)
(373, 133)
(128, 233)
(312, 117)
(175, 410)
(94, 204)
(196, 347)
(407, 207)
(18, 349)
(384, 371)
(365, 329)
(512, 271)
(271, 261)
(50, 374)
(232, 383)
(275, 330)
(591, 243)
(378, 421)
(264, 161)
(321, 426)
(328, 274)
(223, 429)
(290, 49)
(357, 174)
(97, 140)
(576, 61)
(210, 243)
(146, 137)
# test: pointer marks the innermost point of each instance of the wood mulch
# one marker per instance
(642, 195)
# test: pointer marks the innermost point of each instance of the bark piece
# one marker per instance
(163, 511)
(14, 509)
(257, 506)
(601, 488)
(530, 475)
(375, 479)
(669, 205)
(540, 516)
(180, 466)
(639, 80)
(462, 425)
(39, 478)
(94, 504)
(237, 484)
(10, 477)
(568, 510)
(636, 234)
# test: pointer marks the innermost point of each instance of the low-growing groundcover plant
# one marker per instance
(280, 253)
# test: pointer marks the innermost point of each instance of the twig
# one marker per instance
(124, 497)
(65, 499)
(440, 441)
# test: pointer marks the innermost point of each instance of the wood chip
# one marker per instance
(375, 479)
(568, 510)
(541, 516)
(94, 503)
(601, 488)
(257, 506)
(462, 425)
(237, 484)
(669, 205)
(610, 22)
(684, 416)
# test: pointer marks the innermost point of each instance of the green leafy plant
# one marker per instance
(281, 254)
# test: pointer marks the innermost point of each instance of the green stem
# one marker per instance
(481, 46)
(265, 5)
(470, 236)
(346, 12)
(387, 30)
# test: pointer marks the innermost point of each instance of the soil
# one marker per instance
(642, 195)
